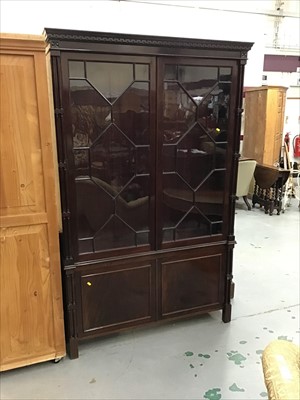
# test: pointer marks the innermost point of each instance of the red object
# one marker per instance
(287, 140)
(296, 146)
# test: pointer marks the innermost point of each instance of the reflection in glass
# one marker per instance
(85, 246)
(90, 113)
(142, 238)
(132, 203)
(192, 225)
(142, 160)
(209, 198)
(113, 159)
(170, 72)
(225, 74)
(94, 206)
(177, 198)
(195, 124)
(213, 112)
(169, 158)
(110, 79)
(76, 69)
(115, 234)
(197, 81)
(179, 112)
(82, 162)
(195, 156)
(141, 72)
(131, 112)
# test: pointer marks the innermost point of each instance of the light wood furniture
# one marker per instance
(264, 119)
(32, 327)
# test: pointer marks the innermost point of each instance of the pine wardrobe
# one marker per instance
(148, 132)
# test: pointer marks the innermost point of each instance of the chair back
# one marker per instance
(245, 175)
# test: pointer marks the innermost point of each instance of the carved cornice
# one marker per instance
(55, 36)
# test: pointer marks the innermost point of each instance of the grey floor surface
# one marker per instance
(201, 358)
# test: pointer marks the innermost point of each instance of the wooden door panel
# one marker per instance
(21, 183)
(189, 284)
(115, 296)
(26, 303)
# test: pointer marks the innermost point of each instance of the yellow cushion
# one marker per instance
(281, 367)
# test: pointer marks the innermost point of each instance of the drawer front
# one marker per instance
(190, 284)
(115, 296)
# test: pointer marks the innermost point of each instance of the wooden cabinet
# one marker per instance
(32, 327)
(148, 139)
(264, 120)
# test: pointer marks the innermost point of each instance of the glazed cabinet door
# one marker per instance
(195, 144)
(109, 138)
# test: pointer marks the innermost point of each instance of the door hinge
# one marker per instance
(62, 165)
(66, 214)
(58, 111)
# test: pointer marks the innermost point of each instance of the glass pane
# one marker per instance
(177, 199)
(142, 160)
(225, 74)
(198, 81)
(168, 235)
(90, 113)
(115, 234)
(216, 228)
(85, 246)
(170, 72)
(169, 158)
(141, 72)
(131, 112)
(82, 162)
(194, 127)
(132, 204)
(195, 156)
(76, 69)
(113, 160)
(112, 157)
(213, 112)
(142, 238)
(179, 113)
(110, 79)
(209, 197)
(94, 207)
(193, 225)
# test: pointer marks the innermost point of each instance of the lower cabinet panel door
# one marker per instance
(189, 284)
(112, 297)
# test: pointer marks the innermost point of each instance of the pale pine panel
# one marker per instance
(32, 327)
(21, 184)
(26, 303)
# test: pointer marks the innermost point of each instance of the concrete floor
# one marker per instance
(201, 358)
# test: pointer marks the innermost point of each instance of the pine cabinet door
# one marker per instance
(31, 326)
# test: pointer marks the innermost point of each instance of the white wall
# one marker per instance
(245, 20)
(139, 18)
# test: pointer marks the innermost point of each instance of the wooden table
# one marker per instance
(269, 185)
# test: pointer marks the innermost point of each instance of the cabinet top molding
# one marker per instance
(59, 38)
(14, 41)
